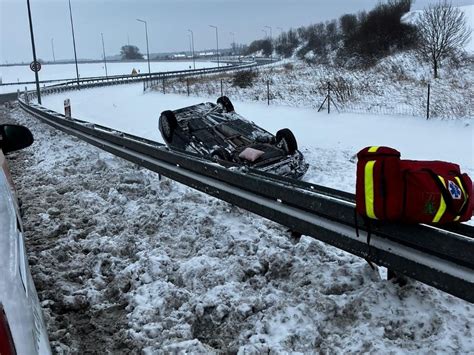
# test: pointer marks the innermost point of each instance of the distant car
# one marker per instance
(217, 132)
(22, 329)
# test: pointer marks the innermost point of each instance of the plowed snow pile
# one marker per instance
(127, 263)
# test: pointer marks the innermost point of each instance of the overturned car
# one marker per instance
(217, 132)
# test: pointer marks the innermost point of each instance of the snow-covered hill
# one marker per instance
(397, 85)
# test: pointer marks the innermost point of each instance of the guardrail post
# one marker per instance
(187, 85)
(67, 108)
(27, 99)
(222, 89)
(164, 92)
(143, 86)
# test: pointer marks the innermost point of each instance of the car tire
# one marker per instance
(221, 154)
(286, 140)
(226, 104)
(167, 125)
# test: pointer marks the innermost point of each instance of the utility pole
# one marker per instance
(74, 43)
(52, 48)
(217, 44)
(147, 49)
(103, 50)
(233, 42)
(192, 48)
(271, 41)
(38, 92)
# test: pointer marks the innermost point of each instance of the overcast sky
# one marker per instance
(168, 22)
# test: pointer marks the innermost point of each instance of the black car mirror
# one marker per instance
(14, 137)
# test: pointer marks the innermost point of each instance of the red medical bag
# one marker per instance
(391, 189)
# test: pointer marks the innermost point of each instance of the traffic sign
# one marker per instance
(35, 66)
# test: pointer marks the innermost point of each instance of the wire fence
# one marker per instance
(425, 100)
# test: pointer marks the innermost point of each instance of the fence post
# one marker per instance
(329, 97)
(222, 90)
(164, 86)
(268, 92)
(428, 104)
(187, 85)
(144, 81)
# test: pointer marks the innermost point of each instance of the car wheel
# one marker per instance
(167, 125)
(286, 140)
(226, 104)
(221, 154)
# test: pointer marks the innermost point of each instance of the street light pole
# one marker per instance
(147, 49)
(217, 43)
(233, 41)
(271, 41)
(38, 92)
(192, 41)
(74, 43)
(103, 50)
(52, 48)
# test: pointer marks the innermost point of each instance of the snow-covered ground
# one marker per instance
(19, 73)
(146, 265)
(124, 262)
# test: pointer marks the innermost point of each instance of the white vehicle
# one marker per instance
(22, 329)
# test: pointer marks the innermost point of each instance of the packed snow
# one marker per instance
(143, 265)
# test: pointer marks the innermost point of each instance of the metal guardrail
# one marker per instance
(90, 82)
(143, 76)
(438, 257)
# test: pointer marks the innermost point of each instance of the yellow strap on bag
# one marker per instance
(442, 205)
(369, 188)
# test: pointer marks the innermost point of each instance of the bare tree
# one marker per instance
(443, 32)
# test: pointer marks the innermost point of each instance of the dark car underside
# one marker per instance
(217, 132)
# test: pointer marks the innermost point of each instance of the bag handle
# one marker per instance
(446, 195)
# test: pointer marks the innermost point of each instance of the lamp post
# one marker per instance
(147, 50)
(103, 50)
(217, 43)
(52, 48)
(233, 41)
(38, 92)
(192, 48)
(74, 43)
(271, 41)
